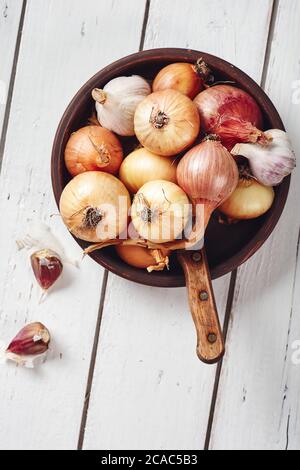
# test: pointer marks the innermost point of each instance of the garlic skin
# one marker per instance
(47, 267)
(37, 236)
(117, 102)
(33, 339)
(272, 162)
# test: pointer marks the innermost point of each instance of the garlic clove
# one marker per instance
(47, 267)
(33, 339)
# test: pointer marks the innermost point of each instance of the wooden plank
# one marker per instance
(149, 390)
(10, 13)
(63, 44)
(221, 28)
(258, 405)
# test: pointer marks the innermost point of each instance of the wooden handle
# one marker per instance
(210, 345)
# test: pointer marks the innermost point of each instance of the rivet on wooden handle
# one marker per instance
(210, 344)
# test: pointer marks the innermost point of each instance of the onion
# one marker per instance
(208, 174)
(187, 78)
(93, 148)
(231, 113)
(143, 258)
(166, 122)
(160, 211)
(142, 166)
(94, 206)
(249, 201)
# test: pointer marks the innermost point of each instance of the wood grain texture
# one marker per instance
(258, 405)
(63, 44)
(221, 28)
(10, 13)
(149, 390)
(210, 341)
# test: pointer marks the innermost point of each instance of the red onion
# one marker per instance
(231, 113)
(209, 175)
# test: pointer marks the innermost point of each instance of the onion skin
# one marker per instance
(182, 77)
(231, 113)
(160, 211)
(143, 258)
(47, 267)
(33, 339)
(166, 122)
(93, 148)
(249, 201)
(90, 201)
(142, 166)
(208, 174)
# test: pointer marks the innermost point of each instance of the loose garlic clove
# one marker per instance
(33, 339)
(272, 162)
(47, 267)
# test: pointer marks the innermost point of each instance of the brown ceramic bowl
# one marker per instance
(227, 246)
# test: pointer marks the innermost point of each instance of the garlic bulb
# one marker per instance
(117, 102)
(272, 162)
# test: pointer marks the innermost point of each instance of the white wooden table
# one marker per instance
(123, 373)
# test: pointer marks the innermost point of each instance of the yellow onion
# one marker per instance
(94, 206)
(93, 148)
(160, 211)
(166, 122)
(143, 258)
(250, 200)
(142, 166)
(187, 78)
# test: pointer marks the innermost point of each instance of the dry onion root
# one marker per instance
(144, 258)
(139, 242)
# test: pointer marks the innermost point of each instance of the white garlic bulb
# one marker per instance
(117, 102)
(272, 162)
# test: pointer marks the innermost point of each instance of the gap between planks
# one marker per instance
(92, 362)
(12, 83)
(272, 23)
(273, 18)
(103, 294)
